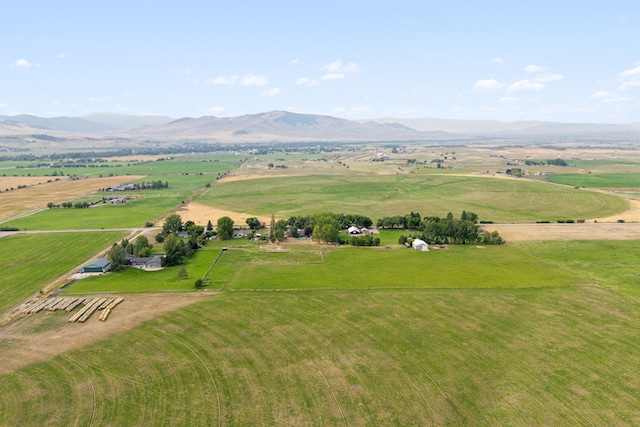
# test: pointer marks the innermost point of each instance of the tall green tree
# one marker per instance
(117, 257)
(174, 250)
(326, 227)
(172, 224)
(225, 228)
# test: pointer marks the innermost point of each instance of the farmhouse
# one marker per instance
(101, 265)
(356, 231)
(124, 187)
(146, 263)
(420, 245)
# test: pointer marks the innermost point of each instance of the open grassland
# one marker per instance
(609, 180)
(29, 262)
(37, 196)
(499, 200)
(543, 356)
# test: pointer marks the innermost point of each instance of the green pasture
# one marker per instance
(29, 262)
(136, 280)
(499, 200)
(613, 264)
(607, 180)
(357, 268)
(473, 357)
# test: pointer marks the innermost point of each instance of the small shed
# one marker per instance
(353, 230)
(420, 245)
(101, 265)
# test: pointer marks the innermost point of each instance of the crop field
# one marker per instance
(37, 196)
(610, 180)
(499, 200)
(31, 261)
(296, 333)
(543, 356)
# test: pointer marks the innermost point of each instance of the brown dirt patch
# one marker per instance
(37, 196)
(630, 215)
(586, 231)
(201, 213)
(54, 335)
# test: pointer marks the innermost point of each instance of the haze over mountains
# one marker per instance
(283, 126)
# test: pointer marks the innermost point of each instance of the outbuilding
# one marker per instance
(101, 265)
(420, 245)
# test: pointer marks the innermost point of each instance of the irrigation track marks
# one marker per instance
(344, 420)
(93, 389)
(215, 386)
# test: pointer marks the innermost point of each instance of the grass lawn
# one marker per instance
(136, 280)
(29, 262)
(499, 200)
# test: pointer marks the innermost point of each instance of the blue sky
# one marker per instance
(562, 60)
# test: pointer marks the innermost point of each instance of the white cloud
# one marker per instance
(294, 61)
(525, 85)
(2, 105)
(121, 108)
(489, 84)
(23, 63)
(253, 80)
(271, 92)
(305, 81)
(605, 96)
(534, 68)
(629, 85)
(497, 59)
(337, 67)
(332, 76)
(214, 110)
(547, 77)
(100, 98)
(223, 80)
(509, 99)
(62, 56)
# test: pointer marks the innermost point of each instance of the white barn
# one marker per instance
(420, 245)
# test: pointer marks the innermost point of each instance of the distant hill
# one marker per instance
(495, 128)
(65, 124)
(283, 126)
(126, 121)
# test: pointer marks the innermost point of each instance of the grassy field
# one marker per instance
(499, 200)
(609, 180)
(29, 262)
(544, 356)
(135, 280)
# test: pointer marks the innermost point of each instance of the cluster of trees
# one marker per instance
(117, 255)
(364, 241)
(462, 230)
(175, 248)
(557, 162)
(152, 184)
(308, 223)
(409, 221)
(69, 205)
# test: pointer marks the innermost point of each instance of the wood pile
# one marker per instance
(90, 306)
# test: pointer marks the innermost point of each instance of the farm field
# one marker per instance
(528, 333)
(498, 200)
(611, 180)
(37, 196)
(29, 262)
(560, 356)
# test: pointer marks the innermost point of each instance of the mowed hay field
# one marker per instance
(542, 356)
(29, 262)
(37, 196)
(499, 200)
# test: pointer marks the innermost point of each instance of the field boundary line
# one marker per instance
(93, 389)
(215, 385)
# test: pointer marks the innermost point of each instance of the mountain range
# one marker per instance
(283, 126)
